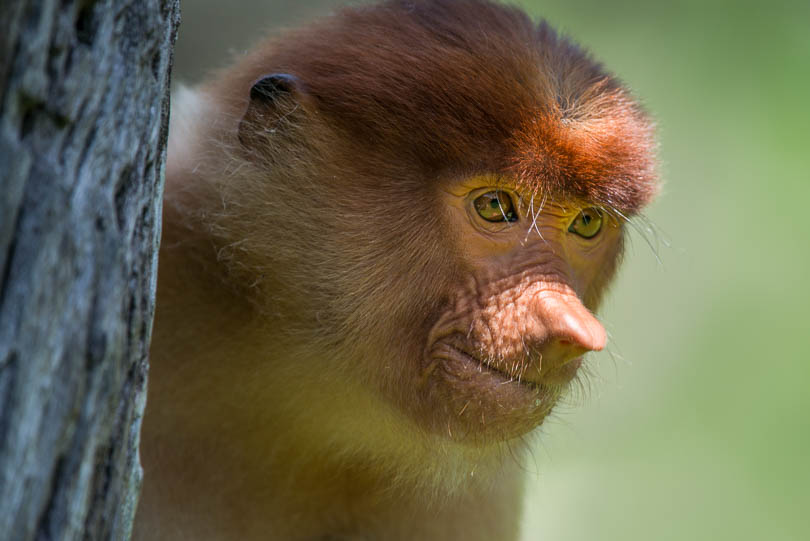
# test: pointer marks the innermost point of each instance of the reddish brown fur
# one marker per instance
(319, 291)
(466, 86)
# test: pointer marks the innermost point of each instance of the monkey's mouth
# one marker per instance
(467, 365)
(486, 401)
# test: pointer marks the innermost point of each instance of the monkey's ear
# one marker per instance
(273, 99)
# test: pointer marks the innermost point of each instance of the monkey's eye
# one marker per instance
(495, 206)
(587, 224)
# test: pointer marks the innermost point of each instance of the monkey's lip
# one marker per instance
(533, 378)
(452, 351)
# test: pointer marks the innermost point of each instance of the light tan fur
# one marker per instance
(344, 347)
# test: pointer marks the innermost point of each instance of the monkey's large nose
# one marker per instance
(569, 331)
(577, 333)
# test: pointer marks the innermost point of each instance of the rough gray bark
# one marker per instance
(83, 122)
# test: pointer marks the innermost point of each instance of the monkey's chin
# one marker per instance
(483, 405)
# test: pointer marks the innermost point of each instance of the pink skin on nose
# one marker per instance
(578, 328)
(539, 335)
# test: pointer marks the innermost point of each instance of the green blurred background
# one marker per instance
(697, 423)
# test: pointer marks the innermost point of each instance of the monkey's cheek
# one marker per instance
(476, 405)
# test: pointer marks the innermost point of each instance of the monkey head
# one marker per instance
(427, 197)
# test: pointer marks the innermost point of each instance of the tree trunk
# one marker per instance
(83, 122)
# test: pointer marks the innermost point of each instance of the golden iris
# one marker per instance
(588, 223)
(495, 206)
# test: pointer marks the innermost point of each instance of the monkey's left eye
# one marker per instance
(587, 224)
(495, 206)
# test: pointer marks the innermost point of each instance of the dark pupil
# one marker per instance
(586, 219)
(495, 203)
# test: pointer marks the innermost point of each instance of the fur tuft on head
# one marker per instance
(465, 85)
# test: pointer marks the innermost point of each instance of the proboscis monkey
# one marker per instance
(385, 237)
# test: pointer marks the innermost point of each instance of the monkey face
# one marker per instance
(465, 300)
(518, 321)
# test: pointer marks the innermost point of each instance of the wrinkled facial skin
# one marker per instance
(520, 320)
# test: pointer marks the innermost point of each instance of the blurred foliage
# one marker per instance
(696, 424)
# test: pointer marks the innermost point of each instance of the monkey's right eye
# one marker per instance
(495, 206)
(587, 224)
